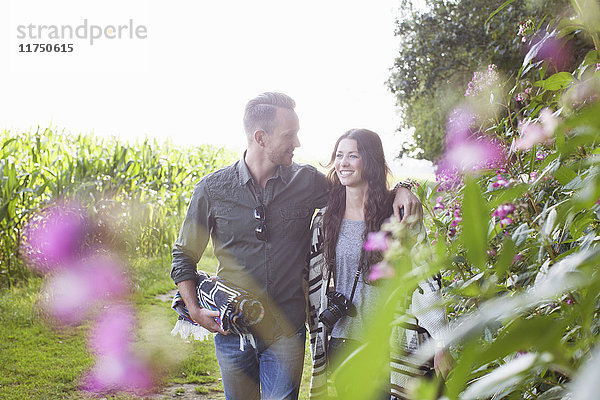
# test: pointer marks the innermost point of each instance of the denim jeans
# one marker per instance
(274, 368)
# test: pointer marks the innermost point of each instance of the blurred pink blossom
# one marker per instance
(112, 333)
(53, 238)
(376, 241)
(114, 373)
(381, 270)
(117, 368)
(534, 133)
(552, 50)
(73, 292)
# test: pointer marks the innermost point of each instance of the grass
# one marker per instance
(40, 361)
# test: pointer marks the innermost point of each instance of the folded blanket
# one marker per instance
(238, 309)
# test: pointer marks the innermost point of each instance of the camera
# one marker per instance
(339, 306)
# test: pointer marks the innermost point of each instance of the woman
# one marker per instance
(359, 202)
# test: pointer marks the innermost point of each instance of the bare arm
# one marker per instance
(200, 315)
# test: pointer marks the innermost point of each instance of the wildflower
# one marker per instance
(506, 221)
(520, 97)
(552, 50)
(482, 81)
(534, 133)
(533, 176)
(503, 210)
(525, 28)
(376, 241)
(539, 156)
(569, 302)
(452, 231)
(117, 367)
(381, 270)
(598, 201)
(72, 293)
(53, 239)
(597, 67)
(439, 205)
(500, 182)
(502, 213)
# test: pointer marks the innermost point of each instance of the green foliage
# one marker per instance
(517, 246)
(440, 48)
(137, 194)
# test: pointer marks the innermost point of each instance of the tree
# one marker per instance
(440, 49)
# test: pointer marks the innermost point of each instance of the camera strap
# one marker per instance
(356, 276)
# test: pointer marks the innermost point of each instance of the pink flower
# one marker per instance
(114, 373)
(482, 81)
(506, 221)
(381, 270)
(439, 205)
(376, 241)
(73, 292)
(534, 133)
(53, 238)
(117, 368)
(503, 210)
(500, 182)
(552, 50)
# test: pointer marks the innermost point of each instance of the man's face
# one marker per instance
(280, 144)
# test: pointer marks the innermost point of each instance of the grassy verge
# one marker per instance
(39, 361)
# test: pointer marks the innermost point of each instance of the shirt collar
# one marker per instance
(244, 174)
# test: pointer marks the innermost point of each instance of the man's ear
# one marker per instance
(259, 137)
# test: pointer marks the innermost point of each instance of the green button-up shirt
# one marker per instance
(222, 208)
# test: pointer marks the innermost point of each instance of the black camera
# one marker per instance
(339, 306)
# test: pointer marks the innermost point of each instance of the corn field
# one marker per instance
(136, 194)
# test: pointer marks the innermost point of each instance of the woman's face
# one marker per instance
(348, 163)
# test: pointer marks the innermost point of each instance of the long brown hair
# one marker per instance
(378, 203)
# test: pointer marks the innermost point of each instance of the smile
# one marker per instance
(345, 173)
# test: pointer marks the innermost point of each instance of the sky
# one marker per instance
(184, 70)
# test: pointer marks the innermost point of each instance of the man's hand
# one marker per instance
(206, 318)
(202, 316)
(410, 204)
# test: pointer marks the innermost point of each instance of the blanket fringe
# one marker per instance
(185, 329)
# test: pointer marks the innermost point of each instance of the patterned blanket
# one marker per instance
(238, 309)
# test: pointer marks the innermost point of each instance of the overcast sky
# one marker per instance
(195, 64)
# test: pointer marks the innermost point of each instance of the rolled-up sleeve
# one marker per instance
(193, 236)
(321, 190)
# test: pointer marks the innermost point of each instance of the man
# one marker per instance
(258, 212)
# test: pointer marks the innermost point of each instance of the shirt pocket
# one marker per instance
(223, 228)
(296, 222)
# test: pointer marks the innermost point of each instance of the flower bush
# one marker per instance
(514, 228)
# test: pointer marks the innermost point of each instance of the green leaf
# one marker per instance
(475, 223)
(505, 258)
(558, 81)
(564, 175)
(502, 7)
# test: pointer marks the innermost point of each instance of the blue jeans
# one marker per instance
(273, 368)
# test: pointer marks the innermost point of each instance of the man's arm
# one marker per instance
(202, 316)
(187, 251)
(405, 200)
